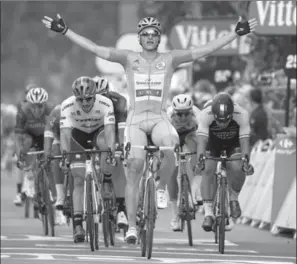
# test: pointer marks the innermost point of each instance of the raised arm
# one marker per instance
(242, 28)
(110, 54)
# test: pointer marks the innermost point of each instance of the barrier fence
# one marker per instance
(268, 198)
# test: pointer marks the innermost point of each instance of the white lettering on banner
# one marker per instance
(273, 13)
(193, 36)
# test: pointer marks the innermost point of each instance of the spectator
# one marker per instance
(203, 91)
(258, 117)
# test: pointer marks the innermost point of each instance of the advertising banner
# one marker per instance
(189, 34)
(285, 171)
(274, 17)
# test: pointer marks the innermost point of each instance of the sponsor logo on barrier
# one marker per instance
(285, 145)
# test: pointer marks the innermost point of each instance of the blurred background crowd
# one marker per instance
(30, 54)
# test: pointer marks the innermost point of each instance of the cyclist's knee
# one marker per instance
(135, 165)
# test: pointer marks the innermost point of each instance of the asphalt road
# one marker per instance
(22, 242)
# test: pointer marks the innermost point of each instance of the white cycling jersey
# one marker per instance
(72, 116)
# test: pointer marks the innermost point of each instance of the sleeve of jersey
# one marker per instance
(203, 124)
(20, 122)
(65, 116)
(119, 56)
(109, 118)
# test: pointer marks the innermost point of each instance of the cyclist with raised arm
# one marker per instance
(86, 116)
(149, 76)
(184, 116)
(223, 125)
(30, 126)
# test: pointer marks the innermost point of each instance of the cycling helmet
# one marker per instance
(102, 85)
(182, 102)
(84, 87)
(37, 95)
(148, 22)
(222, 107)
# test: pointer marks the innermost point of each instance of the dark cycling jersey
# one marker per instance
(26, 122)
(119, 105)
(52, 128)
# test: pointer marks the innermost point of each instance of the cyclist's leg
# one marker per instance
(23, 144)
(79, 142)
(164, 134)
(135, 166)
(58, 176)
(236, 178)
(191, 146)
(208, 186)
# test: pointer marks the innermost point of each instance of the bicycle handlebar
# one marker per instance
(31, 153)
(222, 158)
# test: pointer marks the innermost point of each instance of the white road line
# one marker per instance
(226, 255)
(191, 249)
(3, 237)
(127, 258)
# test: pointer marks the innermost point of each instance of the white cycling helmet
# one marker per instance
(84, 87)
(101, 84)
(148, 22)
(182, 102)
(37, 95)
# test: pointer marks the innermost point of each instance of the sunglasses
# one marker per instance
(87, 99)
(183, 114)
(153, 34)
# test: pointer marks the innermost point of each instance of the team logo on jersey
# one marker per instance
(160, 65)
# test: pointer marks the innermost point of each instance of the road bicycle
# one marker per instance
(147, 206)
(221, 208)
(42, 200)
(93, 200)
(186, 213)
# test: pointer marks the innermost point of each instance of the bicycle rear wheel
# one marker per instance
(105, 222)
(90, 219)
(27, 207)
(40, 199)
(222, 215)
(49, 205)
(150, 215)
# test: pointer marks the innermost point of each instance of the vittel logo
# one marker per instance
(191, 34)
(274, 17)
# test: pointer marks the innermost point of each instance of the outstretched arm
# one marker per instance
(242, 28)
(110, 54)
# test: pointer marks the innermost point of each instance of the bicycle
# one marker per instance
(184, 192)
(147, 206)
(221, 200)
(42, 200)
(92, 203)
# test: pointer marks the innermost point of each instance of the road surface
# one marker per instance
(22, 242)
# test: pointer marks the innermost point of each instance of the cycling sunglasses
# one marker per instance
(179, 114)
(151, 33)
(87, 99)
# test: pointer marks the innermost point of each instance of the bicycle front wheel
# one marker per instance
(186, 193)
(150, 215)
(222, 216)
(90, 219)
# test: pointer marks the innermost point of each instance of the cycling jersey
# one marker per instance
(26, 122)
(149, 81)
(119, 105)
(189, 125)
(52, 128)
(224, 138)
(72, 116)
(238, 127)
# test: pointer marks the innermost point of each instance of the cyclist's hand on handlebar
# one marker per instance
(110, 160)
(58, 25)
(20, 164)
(64, 165)
(200, 164)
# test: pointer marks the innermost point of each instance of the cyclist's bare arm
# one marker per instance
(184, 56)
(106, 53)
(65, 139)
(20, 131)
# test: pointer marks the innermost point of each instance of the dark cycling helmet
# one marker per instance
(222, 107)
